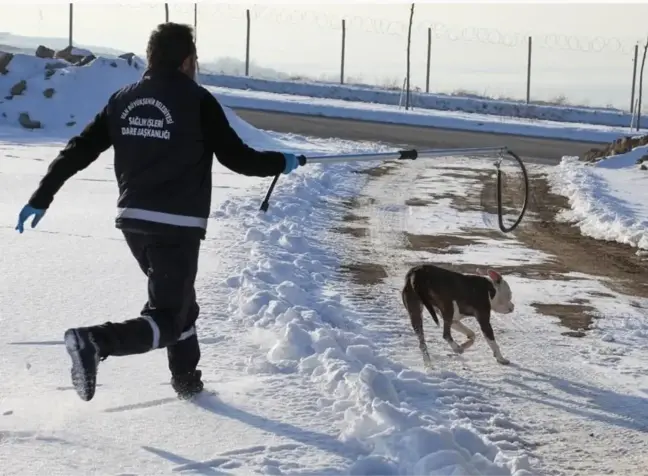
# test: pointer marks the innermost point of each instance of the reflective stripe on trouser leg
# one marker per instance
(188, 333)
(156, 331)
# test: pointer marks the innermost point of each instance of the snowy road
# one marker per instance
(578, 404)
(544, 150)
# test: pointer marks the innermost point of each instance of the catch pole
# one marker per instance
(413, 154)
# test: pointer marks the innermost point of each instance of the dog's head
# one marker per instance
(502, 301)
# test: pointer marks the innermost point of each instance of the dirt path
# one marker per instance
(576, 417)
(616, 264)
(571, 254)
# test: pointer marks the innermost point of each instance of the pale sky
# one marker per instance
(305, 39)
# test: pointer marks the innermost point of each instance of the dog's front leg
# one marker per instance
(487, 330)
(459, 327)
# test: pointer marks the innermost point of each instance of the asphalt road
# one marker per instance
(546, 151)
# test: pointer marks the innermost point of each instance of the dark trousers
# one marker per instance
(168, 318)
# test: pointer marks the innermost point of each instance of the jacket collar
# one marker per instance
(152, 73)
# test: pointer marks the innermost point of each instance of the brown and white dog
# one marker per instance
(455, 296)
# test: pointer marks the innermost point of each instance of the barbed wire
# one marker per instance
(380, 26)
(440, 31)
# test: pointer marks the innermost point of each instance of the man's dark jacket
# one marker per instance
(165, 130)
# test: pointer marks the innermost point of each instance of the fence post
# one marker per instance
(409, 44)
(166, 12)
(343, 51)
(70, 23)
(634, 77)
(247, 44)
(643, 63)
(528, 89)
(429, 55)
(196, 22)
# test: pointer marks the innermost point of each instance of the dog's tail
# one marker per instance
(414, 298)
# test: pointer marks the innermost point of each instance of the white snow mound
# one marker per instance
(622, 161)
(76, 93)
(79, 93)
(609, 199)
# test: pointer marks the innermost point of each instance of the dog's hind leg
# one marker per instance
(414, 308)
(460, 327)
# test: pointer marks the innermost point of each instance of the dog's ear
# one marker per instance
(495, 276)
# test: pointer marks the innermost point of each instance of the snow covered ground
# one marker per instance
(53, 99)
(300, 386)
(421, 100)
(609, 199)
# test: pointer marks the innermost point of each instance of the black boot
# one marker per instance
(85, 355)
(187, 385)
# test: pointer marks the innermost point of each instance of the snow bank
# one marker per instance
(381, 113)
(394, 418)
(609, 200)
(256, 138)
(622, 161)
(441, 102)
(63, 97)
(55, 95)
(58, 95)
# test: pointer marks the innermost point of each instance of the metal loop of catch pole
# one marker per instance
(500, 217)
(413, 154)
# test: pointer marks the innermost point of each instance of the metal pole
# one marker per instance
(528, 91)
(405, 154)
(195, 22)
(641, 71)
(409, 45)
(343, 51)
(429, 59)
(70, 25)
(247, 44)
(166, 12)
(634, 77)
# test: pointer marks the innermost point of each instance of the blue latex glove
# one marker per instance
(292, 162)
(25, 213)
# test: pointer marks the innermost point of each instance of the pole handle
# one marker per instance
(266, 201)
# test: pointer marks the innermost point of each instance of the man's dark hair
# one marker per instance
(169, 45)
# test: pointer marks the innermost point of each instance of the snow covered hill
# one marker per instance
(55, 94)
